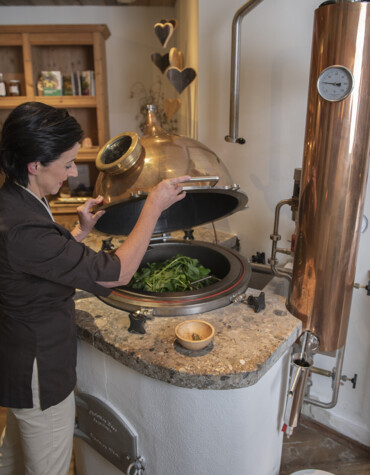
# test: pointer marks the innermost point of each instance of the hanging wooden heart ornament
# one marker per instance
(180, 79)
(161, 61)
(173, 22)
(171, 106)
(176, 58)
(164, 32)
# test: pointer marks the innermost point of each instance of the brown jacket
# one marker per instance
(41, 265)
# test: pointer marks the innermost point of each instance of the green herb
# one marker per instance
(177, 274)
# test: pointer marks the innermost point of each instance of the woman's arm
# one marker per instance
(131, 252)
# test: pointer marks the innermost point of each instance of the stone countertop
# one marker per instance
(245, 346)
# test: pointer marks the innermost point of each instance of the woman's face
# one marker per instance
(51, 177)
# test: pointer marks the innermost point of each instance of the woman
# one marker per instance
(41, 265)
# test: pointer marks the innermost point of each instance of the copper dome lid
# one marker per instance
(130, 166)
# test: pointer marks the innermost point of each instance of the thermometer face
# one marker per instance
(335, 83)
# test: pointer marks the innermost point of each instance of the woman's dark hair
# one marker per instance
(34, 131)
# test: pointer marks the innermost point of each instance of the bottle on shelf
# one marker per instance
(14, 87)
(2, 86)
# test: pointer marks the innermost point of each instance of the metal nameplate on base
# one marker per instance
(108, 433)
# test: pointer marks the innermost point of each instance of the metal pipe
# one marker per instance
(336, 384)
(323, 372)
(263, 268)
(235, 71)
(275, 237)
(300, 365)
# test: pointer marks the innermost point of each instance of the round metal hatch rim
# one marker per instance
(221, 294)
(235, 274)
(187, 301)
(125, 161)
(141, 195)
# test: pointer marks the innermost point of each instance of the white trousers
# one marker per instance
(36, 442)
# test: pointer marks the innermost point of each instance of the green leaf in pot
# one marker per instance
(176, 274)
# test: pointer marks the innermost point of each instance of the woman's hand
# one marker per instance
(166, 193)
(86, 218)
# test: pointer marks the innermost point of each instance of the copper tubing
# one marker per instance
(334, 176)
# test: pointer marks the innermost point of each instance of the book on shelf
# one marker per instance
(56, 83)
(68, 89)
(87, 83)
(77, 83)
(51, 82)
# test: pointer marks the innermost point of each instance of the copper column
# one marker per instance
(334, 176)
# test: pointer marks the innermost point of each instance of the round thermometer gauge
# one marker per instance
(335, 83)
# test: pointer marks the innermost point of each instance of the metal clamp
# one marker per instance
(257, 303)
(107, 245)
(138, 319)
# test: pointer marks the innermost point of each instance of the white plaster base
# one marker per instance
(187, 431)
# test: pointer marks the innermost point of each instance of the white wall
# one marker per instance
(276, 45)
(275, 62)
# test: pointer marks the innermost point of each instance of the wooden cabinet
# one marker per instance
(26, 50)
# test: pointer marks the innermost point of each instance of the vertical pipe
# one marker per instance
(235, 71)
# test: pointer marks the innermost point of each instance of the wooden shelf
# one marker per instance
(16, 31)
(70, 102)
(26, 50)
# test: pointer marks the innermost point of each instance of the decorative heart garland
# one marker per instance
(180, 79)
(164, 32)
(176, 58)
(162, 62)
(171, 106)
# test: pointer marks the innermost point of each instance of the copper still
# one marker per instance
(130, 166)
(328, 207)
(332, 192)
(328, 197)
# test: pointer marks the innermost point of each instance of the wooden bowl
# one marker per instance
(194, 334)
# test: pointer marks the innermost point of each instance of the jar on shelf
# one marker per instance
(2, 86)
(14, 87)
